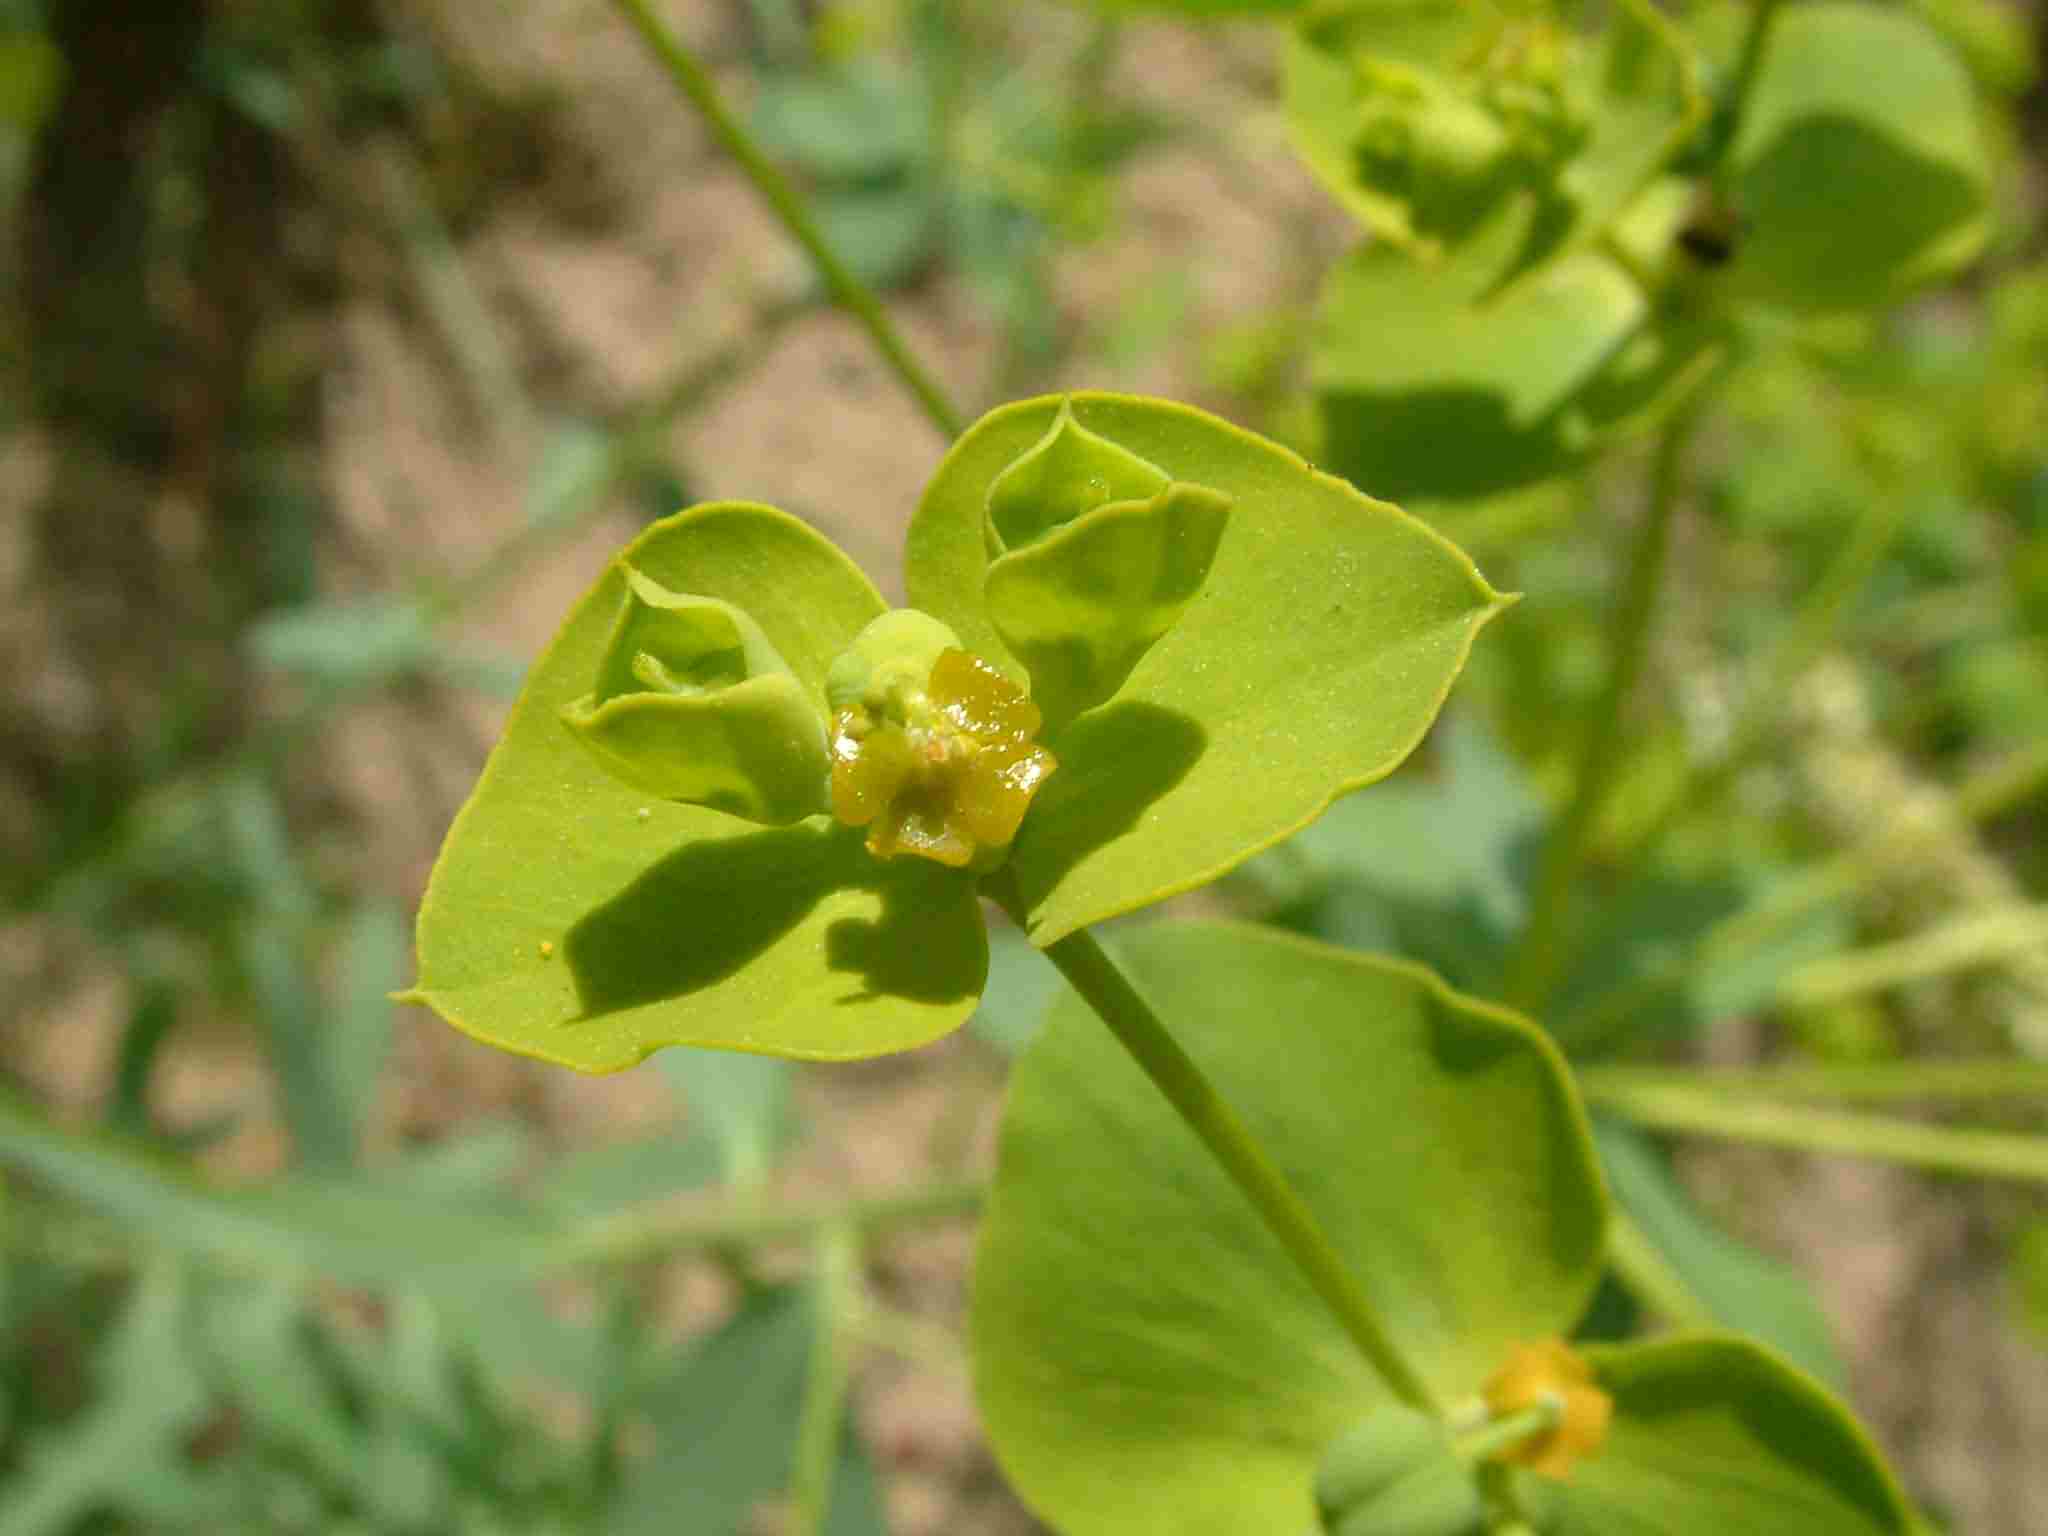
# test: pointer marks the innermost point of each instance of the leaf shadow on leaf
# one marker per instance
(1392, 442)
(707, 910)
(1115, 762)
(891, 954)
(1823, 170)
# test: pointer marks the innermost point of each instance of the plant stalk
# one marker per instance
(1938, 1148)
(664, 1228)
(847, 291)
(1497, 1435)
(1763, 707)
(1920, 1080)
(1990, 794)
(1540, 955)
(1139, 1029)
(835, 1285)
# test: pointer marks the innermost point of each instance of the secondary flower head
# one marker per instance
(1094, 554)
(1548, 1371)
(933, 750)
(693, 703)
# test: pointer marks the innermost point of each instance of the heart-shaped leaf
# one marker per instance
(573, 918)
(1859, 170)
(1316, 654)
(1148, 1359)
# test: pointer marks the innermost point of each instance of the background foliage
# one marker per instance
(345, 340)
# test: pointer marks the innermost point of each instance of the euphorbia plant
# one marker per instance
(742, 804)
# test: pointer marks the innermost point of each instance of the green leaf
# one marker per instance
(1713, 1433)
(1435, 387)
(260, 1353)
(1740, 1288)
(345, 644)
(573, 919)
(149, 1398)
(1147, 1357)
(1859, 170)
(357, 1038)
(356, 1233)
(1329, 630)
(723, 1422)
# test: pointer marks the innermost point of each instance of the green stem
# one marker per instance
(1653, 1279)
(1130, 1018)
(1990, 794)
(1756, 729)
(661, 1228)
(1979, 939)
(1987, 1154)
(1989, 1079)
(1728, 120)
(852, 295)
(835, 1284)
(1497, 1435)
(1540, 955)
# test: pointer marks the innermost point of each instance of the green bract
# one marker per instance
(1312, 659)
(1860, 170)
(1425, 117)
(578, 919)
(1149, 1361)
(579, 913)
(693, 704)
(1094, 554)
(1396, 1472)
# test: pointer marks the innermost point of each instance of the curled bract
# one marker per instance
(1094, 554)
(933, 750)
(693, 703)
(1550, 1371)
(1396, 1473)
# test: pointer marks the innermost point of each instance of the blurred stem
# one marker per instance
(1763, 705)
(1978, 939)
(1497, 1435)
(663, 1229)
(1105, 988)
(1942, 1149)
(1989, 794)
(455, 306)
(1727, 123)
(1653, 1279)
(836, 1284)
(694, 81)
(1920, 1080)
(1540, 955)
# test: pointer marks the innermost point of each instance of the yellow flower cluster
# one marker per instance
(949, 778)
(1549, 1371)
